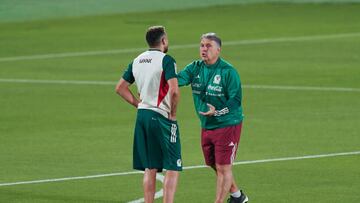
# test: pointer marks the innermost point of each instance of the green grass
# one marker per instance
(56, 130)
(25, 10)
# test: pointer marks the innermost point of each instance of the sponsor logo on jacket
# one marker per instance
(215, 88)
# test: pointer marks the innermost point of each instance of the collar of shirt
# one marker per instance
(213, 65)
(154, 49)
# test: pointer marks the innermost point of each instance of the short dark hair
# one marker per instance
(212, 36)
(154, 35)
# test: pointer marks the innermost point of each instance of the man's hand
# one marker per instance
(173, 118)
(211, 111)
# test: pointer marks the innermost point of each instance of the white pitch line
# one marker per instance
(185, 46)
(70, 178)
(275, 87)
(292, 39)
(284, 159)
(63, 82)
(308, 88)
(185, 168)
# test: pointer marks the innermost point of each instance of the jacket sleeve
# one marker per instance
(233, 93)
(185, 76)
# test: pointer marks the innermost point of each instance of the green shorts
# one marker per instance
(156, 142)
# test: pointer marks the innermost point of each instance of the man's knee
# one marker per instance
(172, 174)
(223, 169)
(149, 177)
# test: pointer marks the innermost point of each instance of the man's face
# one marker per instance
(209, 51)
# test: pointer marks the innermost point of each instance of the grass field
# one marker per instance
(299, 64)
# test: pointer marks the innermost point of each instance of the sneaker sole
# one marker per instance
(245, 200)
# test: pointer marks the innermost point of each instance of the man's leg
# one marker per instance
(223, 182)
(234, 187)
(170, 183)
(236, 194)
(149, 184)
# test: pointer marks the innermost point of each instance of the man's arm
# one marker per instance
(122, 88)
(185, 75)
(234, 94)
(234, 97)
(169, 68)
(174, 97)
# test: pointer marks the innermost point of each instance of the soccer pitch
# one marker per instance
(61, 121)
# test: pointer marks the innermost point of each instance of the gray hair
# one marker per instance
(212, 36)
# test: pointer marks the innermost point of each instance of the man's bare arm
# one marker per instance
(174, 97)
(122, 88)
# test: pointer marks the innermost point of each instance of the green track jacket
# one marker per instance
(217, 84)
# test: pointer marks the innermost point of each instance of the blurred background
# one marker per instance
(65, 136)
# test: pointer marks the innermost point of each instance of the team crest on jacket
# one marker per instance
(217, 79)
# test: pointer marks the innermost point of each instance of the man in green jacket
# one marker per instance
(217, 96)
